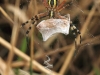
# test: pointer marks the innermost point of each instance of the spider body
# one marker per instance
(52, 4)
(53, 8)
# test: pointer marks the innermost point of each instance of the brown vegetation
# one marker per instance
(60, 48)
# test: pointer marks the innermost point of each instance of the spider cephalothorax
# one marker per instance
(53, 8)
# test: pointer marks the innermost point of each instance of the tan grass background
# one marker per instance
(84, 14)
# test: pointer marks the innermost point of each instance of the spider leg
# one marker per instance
(33, 23)
(74, 31)
(34, 20)
(23, 24)
(61, 6)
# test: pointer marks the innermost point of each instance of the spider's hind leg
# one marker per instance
(75, 31)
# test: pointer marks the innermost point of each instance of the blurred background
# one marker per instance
(15, 55)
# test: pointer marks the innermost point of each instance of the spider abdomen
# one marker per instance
(52, 3)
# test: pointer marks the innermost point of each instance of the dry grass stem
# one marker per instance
(13, 40)
(3, 67)
(19, 13)
(6, 15)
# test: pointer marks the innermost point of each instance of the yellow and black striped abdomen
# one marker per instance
(51, 14)
(52, 3)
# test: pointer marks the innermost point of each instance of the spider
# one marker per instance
(53, 8)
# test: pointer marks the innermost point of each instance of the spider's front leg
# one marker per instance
(34, 20)
(75, 31)
(61, 6)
